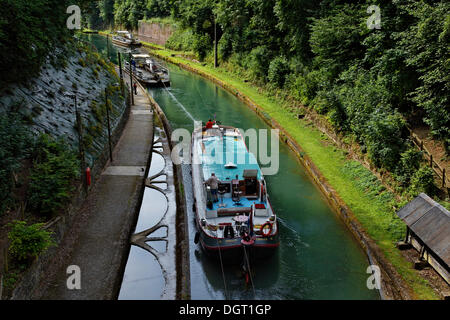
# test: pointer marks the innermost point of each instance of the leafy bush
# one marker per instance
(410, 161)
(55, 168)
(181, 40)
(258, 61)
(278, 70)
(14, 147)
(422, 181)
(383, 138)
(202, 45)
(28, 241)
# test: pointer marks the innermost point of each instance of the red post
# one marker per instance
(88, 176)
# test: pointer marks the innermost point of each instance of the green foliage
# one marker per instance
(181, 40)
(426, 42)
(15, 146)
(422, 181)
(410, 161)
(278, 70)
(10, 280)
(29, 30)
(383, 138)
(127, 13)
(336, 40)
(106, 12)
(201, 45)
(52, 177)
(28, 241)
(258, 62)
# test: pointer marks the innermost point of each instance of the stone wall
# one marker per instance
(154, 32)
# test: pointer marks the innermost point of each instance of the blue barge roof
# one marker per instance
(219, 151)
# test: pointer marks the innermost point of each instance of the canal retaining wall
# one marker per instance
(154, 32)
(392, 284)
(62, 224)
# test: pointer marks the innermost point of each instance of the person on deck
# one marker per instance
(135, 88)
(209, 124)
(213, 183)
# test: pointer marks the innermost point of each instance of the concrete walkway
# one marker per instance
(99, 240)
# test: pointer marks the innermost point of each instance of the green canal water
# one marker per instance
(318, 258)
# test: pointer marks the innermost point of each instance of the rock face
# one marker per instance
(48, 105)
(155, 32)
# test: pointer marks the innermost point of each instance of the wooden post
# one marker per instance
(407, 234)
(131, 83)
(443, 177)
(5, 253)
(431, 161)
(421, 145)
(109, 125)
(120, 67)
(422, 252)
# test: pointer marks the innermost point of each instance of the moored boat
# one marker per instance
(240, 221)
(125, 39)
(148, 72)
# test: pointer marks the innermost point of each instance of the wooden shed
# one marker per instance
(428, 231)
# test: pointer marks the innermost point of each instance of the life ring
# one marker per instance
(262, 229)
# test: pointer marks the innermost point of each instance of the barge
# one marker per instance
(236, 220)
(148, 72)
(125, 39)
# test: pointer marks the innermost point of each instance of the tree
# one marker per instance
(336, 39)
(106, 8)
(426, 42)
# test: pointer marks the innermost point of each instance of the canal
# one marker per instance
(318, 257)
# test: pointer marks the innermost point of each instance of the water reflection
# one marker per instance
(143, 278)
(153, 209)
(158, 164)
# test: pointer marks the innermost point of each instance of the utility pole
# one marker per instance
(131, 82)
(109, 125)
(215, 43)
(80, 140)
(107, 46)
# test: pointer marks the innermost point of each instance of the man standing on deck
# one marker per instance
(213, 183)
(135, 88)
(209, 124)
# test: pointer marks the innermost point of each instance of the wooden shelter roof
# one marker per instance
(430, 222)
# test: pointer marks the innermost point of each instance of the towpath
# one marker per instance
(99, 239)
